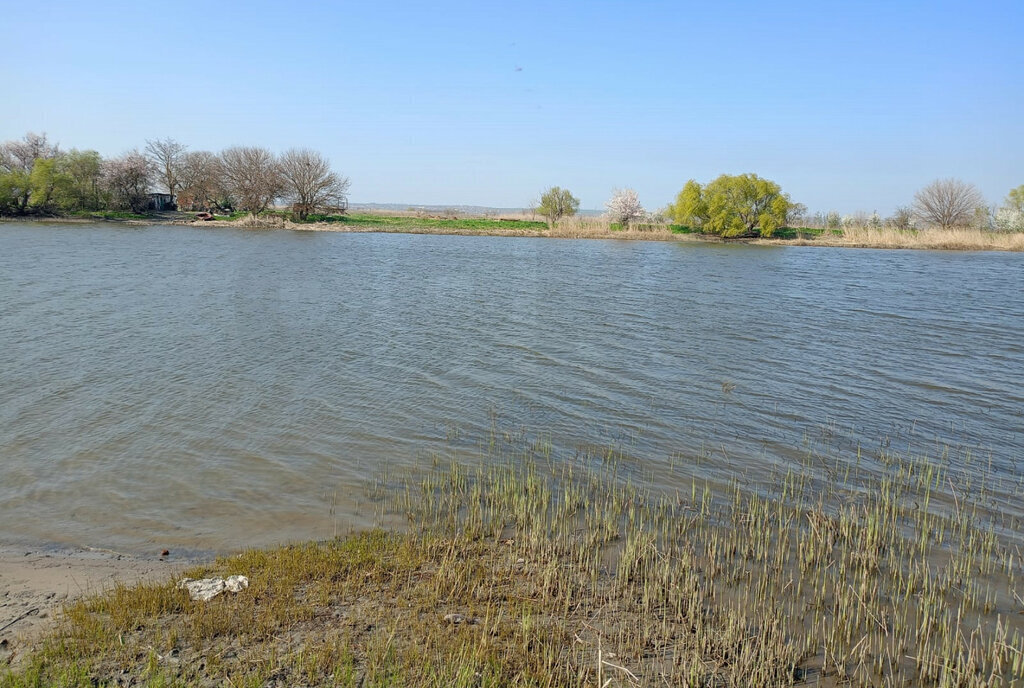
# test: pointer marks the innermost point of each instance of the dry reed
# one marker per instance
(936, 239)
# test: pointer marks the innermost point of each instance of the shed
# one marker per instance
(162, 201)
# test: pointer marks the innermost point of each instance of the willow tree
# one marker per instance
(17, 160)
(733, 205)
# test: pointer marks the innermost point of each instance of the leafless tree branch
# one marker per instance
(310, 184)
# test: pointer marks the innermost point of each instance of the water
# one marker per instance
(209, 389)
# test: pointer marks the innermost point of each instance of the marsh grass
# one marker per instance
(578, 571)
(936, 239)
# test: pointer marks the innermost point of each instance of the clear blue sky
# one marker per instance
(848, 105)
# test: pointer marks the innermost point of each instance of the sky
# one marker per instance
(849, 106)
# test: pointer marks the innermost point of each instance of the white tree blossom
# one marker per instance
(1009, 220)
(624, 207)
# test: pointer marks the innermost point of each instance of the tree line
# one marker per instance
(748, 205)
(37, 177)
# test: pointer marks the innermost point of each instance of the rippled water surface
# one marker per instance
(212, 389)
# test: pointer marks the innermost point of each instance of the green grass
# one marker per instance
(461, 224)
(804, 233)
(109, 215)
(570, 573)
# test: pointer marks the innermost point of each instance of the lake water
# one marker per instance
(209, 389)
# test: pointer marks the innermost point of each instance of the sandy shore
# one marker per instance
(36, 583)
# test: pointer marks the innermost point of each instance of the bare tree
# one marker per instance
(166, 156)
(20, 156)
(310, 184)
(902, 218)
(947, 203)
(200, 183)
(624, 207)
(127, 180)
(252, 176)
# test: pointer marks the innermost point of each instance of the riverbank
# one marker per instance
(933, 240)
(519, 571)
(36, 584)
(593, 228)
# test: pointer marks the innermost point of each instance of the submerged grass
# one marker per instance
(522, 568)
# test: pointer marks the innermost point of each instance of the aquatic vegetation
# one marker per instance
(520, 567)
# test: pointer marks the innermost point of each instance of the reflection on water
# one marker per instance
(211, 389)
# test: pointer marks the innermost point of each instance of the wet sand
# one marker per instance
(36, 583)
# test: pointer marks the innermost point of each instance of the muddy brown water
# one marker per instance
(210, 389)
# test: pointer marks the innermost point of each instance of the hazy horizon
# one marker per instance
(849, 108)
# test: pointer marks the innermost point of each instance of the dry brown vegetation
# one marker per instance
(520, 569)
(937, 239)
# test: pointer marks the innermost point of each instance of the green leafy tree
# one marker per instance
(8, 193)
(733, 205)
(1015, 199)
(556, 203)
(17, 159)
(47, 182)
(83, 180)
(15, 191)
(690, 208)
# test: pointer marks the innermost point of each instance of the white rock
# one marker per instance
(236, 583)
(205, 589)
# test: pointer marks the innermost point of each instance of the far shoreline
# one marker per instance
(866, 238)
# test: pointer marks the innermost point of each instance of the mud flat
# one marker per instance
(35, 583)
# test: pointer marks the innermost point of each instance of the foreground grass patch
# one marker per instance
(519, 569)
